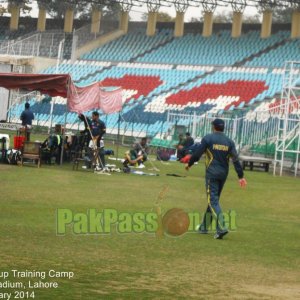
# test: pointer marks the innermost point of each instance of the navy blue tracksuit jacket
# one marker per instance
(98, 128)
(219, 149)
(26, 117)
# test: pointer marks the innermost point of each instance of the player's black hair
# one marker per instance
(219, 128)
(219, 125)
(27, 105)
(95, 113)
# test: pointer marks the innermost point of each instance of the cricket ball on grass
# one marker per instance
(176, 222)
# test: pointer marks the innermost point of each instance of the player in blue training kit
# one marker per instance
(218, 149)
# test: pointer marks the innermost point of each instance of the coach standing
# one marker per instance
(26, 117)
(218, 149)
(97, 129)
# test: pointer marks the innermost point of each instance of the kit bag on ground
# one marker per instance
(164, 154)
(13, 156)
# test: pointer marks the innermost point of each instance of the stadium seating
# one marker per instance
(150, 92)
(220, 49)
(186, 75)
(216, 93)
(142, 78)
(76, 70)
(277, 57)
(193, 49)
(128, 46)
(260, 85)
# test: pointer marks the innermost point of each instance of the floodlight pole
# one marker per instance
(64, 134)
(209, 6)
(56, 71)
(65, 125)
(118, 135)
(126, 5)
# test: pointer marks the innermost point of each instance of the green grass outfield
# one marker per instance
(261, 260)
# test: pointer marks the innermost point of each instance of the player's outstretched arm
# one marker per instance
(237, 166)
(197, 154)
(85, 120)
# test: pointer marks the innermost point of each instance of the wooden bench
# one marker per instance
(32, 151)
(256, 162)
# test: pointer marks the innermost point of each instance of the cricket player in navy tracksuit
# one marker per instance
(218, 149)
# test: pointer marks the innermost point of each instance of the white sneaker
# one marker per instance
(84, 167)
(110, 166)
(141, 166)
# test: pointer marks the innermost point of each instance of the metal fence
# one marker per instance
(85, 34)
(26, 47)
(254, 131)
(44, 44)
(251, 128)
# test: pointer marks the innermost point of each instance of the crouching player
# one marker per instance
(138, 155)
(218, 149)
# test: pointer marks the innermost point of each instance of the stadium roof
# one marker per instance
(179, 4)
(193, 8)
(194, 3)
